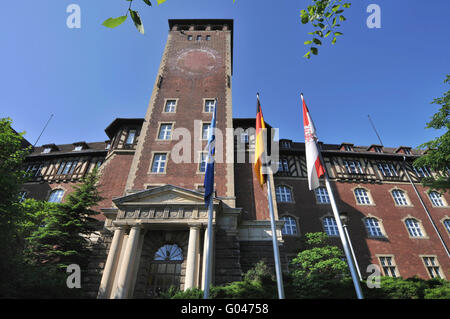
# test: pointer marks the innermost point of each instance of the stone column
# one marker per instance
(124, 280)
(191, 269)
(105, 284)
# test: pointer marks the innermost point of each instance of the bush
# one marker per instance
(410, 288)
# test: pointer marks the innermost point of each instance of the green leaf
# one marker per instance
(338, 33)
(314, 50)
(317, 41)
(114, 22)
(160, 1)
(147, 2)
(328, 33)
(333, 41)
(307, 42)
(137, 21)
(307, 55)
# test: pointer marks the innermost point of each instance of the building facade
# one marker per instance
(153, 220)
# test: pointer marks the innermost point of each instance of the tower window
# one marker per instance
(165, 132)
(189, 37)
(159, 163)
(208, 37)
(199, 38)
(209, 106)
(205, 130)
(170, 106)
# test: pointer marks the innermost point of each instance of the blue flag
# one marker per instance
(209, 173)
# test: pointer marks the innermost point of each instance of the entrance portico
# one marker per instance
(159, 241)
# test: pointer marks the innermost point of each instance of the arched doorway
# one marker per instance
(165, 269)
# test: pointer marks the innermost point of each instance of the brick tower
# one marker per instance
(159, 221)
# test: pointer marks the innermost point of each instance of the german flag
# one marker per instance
(260, 152)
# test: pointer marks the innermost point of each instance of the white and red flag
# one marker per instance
(313, 163)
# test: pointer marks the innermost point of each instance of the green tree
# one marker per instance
(58, 233)
(319, 271)
(12, 154)
(437, 156)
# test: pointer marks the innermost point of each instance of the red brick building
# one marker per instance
(152, 222)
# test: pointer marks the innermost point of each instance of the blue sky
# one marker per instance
(87, 77)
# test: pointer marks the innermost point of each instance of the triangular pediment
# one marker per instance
(166, 195)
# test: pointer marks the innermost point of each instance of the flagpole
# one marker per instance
(276, 252)
(207, 280)
(208, 251)
(337, 219)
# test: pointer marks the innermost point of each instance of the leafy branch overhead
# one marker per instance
(115, 22)
(325, 16)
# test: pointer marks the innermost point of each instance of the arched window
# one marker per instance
(283, 194)
(399, 197)
(362, 197)
(330, 226)
(373, 227)
(56, 196)
(290, 226)
(436, 199)
(413, 227)
(165, 269)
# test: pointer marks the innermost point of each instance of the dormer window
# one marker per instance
(78, 148)
(108, 146)
(378, 149)
(407, 151)
(46, 150)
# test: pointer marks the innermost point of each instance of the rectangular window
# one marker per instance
(373, 227)
(432, 266)
(209, 106)
(205, 130)
(322, 195)
(165, 132)
(353, 167)
(388, 265)
(61, 168)
(388, 170)
(362, 197)
(199, 38)
(170, 106)
(330, 226)
(399, 197)
(422, 171)
(208, 37)
(159, 163)
(189, 37)
(131, 136)
(203, 159)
